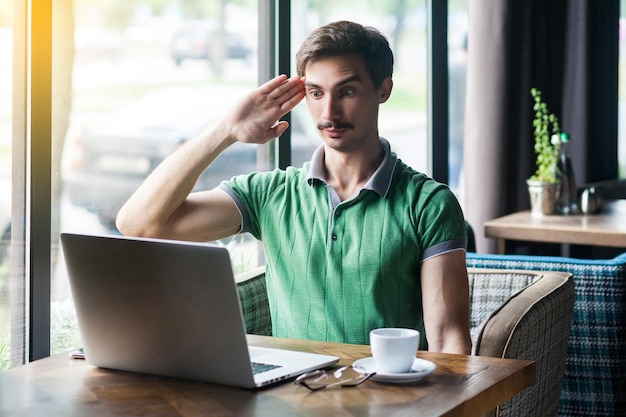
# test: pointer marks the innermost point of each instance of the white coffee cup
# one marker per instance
(394, 349)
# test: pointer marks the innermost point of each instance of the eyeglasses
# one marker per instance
(347, 376)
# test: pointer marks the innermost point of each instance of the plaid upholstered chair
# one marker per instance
(524, 315)
(514, 314)
(594, 382)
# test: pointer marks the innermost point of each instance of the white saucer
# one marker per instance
(419, 370)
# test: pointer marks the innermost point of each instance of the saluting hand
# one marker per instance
(256, 118)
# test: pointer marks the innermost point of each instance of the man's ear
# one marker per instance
(385, 89)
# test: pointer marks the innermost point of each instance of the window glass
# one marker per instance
(132, 82)
(6, 51)
(457, 69)
(403, 118)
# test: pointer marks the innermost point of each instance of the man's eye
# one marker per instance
(315, 93)
(347, 92)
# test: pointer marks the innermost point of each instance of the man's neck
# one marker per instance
(348, 172)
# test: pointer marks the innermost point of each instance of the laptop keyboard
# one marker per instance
(258, 367)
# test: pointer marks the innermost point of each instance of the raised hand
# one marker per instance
(256, 118)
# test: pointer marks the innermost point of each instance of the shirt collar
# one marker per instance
(379, 182)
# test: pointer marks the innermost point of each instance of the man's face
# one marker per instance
(343, 101)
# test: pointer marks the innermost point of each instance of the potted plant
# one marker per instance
(543, 184)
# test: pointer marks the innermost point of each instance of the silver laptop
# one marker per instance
(169, 308)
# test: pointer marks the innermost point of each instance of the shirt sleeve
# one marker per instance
(251, 193)
(441, 224)
(243, 210)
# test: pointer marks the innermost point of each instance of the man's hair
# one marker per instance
(344, 38)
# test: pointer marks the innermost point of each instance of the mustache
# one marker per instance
(335, 125)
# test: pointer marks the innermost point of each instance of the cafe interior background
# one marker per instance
(94, 92)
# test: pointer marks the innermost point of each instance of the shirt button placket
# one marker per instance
(334, 237)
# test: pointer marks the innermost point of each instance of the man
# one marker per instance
(355, 239)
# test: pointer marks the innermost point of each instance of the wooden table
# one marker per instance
(607, 228)
(460, 386)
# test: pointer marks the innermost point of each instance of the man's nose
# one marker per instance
(332, 110)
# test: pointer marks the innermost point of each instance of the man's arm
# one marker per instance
(445, 298)
(163, 207)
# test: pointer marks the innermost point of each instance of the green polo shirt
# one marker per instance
(336, 270)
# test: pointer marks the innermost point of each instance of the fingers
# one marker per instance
(284, 92)
(272, 84)
(254, 119)
(292, 100)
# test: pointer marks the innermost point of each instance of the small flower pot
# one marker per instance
(542, 197)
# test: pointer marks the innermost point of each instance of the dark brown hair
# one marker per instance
(344, 38)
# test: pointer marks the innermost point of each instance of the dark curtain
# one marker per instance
(568, 49)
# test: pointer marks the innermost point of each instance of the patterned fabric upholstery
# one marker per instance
(594, 383)
(524, 315)
(254, 303)
(490, 291)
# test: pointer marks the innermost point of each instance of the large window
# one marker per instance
(128, 83)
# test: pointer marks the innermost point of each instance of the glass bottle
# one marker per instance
(567, 202)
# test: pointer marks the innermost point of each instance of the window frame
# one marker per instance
(31, 178)
(438, 106)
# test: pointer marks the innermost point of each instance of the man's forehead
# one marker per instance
(335, 71)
